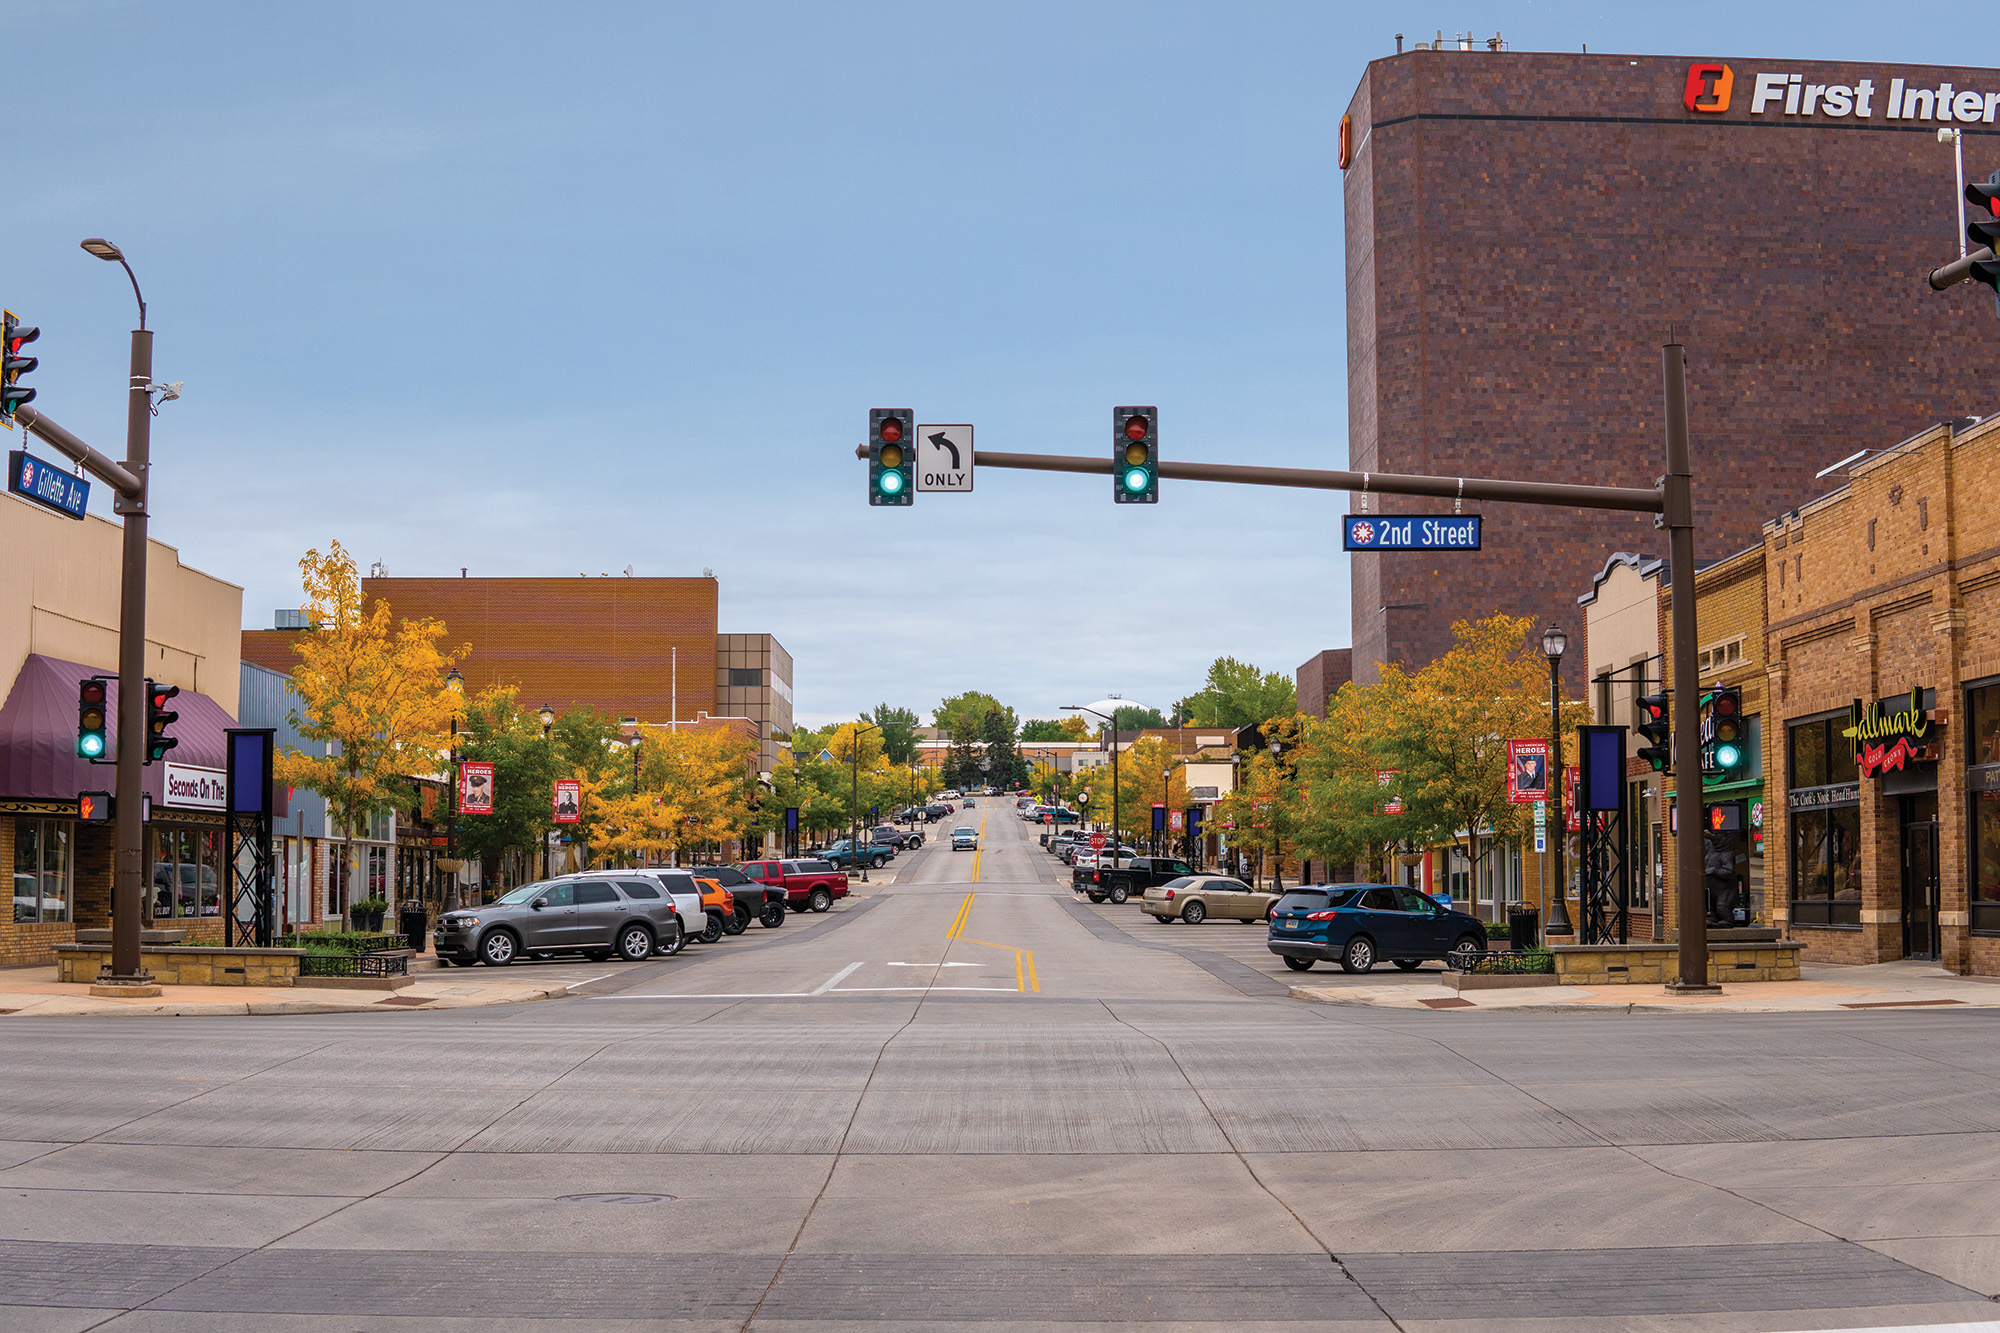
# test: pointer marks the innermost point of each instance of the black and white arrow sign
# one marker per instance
(944, 458)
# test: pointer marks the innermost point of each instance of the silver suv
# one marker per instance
(594, 915)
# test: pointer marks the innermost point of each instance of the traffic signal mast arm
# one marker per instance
(111, 472)
(1644, 500)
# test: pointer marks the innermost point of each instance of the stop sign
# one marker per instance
(1048, 819)
(1096, 842)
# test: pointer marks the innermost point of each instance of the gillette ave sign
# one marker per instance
(1712, 88)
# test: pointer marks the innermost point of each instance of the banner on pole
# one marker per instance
(475, 788)
(568, 801)
(1527, 771)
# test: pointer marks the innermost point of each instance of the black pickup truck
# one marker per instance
(754, 902)
(1128, 881)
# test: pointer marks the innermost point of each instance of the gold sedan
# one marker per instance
(1197, 898)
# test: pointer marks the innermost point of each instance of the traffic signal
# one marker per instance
(892, 455)
(93, 807)
(158, 719)
(1657, 729)
(1984, 229)
(1135, 455)
(13, 335)
(1725, 712)
(91, 716)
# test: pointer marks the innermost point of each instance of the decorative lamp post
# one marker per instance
(1277, 848)
(1111, 727)
(854, 861)
(456, 684)
(1554, 641)
(548, 716)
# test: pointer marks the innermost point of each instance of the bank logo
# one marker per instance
(1708, 87)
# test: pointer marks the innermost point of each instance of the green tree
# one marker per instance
(1131, 717)
(969, 711)
(961, 761)
(899, 732)
(1044, 729)
(525, 768)
(1237, 694)
(1004, 767)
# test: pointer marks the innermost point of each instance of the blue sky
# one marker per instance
(561, 289)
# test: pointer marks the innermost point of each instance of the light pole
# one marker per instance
(1553, 643)
(456, 684)
(1111, 726)
(1277, 847)
(128, 876)
(548, 716)
(854, 861)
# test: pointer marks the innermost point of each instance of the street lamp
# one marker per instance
(1554, 641)
(548, 716)
(1277, 848)
(854, 861)
(1112, 726)
(456, 684)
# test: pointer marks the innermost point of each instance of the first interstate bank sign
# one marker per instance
(46, 484)
(1410, 532)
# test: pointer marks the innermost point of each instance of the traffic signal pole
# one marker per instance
(1672, 499)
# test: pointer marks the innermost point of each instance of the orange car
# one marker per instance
(720, 906)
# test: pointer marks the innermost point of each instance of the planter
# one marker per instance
(370, 921)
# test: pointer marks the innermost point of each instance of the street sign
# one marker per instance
(1410, 532)
(1048, 819)
(46, 484)
(944, 458)
(1083, 798)
(1096, 842)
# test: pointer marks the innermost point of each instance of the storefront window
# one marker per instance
(41, 869)
(1826, 867)
(187, 872)
(1820, 755)
(1982, 742)
(1985, 895)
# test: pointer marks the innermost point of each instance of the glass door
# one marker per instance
(1920, 877)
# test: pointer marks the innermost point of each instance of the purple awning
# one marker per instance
(38, 759)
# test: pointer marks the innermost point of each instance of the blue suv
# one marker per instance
(1357, 924)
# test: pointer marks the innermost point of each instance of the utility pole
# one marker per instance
(1677, 512)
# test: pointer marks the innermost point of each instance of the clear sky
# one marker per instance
(558, 289)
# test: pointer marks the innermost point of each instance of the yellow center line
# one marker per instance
(1024, 959)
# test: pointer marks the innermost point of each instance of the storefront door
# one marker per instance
(1920, 876)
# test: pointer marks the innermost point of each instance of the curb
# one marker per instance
(278, 1008)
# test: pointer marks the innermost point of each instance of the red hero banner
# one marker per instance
(475, 789)
(567, 801)
(1176, 821)
(1527, 771)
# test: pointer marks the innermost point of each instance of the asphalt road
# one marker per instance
(967, 1100)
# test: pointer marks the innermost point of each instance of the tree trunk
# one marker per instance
(1472, 870)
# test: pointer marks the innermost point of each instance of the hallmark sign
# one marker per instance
(1889, 733)
(192, 788)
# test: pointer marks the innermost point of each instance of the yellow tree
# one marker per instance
(1347, 778)
(857, 753)
(704, 780)
(372, 688)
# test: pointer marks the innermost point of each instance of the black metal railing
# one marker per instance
(1513, 963)
(388, 963)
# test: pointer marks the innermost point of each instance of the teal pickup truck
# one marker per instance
(842, 853)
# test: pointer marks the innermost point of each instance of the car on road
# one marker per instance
(967, 805)
(964, 840)
(1085, 857)
(1357, 925)
(850, 854)
(754, 902)
(899, 838)
(1121, 882)
(1193, 899)
(810, 885)
(595, 915)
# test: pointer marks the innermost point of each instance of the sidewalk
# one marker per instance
(1907, 983)
(35, 991)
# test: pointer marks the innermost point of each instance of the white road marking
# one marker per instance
(587, 980)
(837, 978)
(933, 964)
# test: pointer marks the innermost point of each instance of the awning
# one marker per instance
(38, 759)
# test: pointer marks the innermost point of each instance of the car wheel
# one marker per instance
(772, 916)
(1408, 964)
(821, 900)
(1359, 956)
(498, 948)
(1163, 920)
(877, 862)
(711, 929)
(635, 944)
(1298, 964)
(1095, 897)
(1119, 893)
(736, 922)
(1467, 945)
(672, 942)
(1194, 913)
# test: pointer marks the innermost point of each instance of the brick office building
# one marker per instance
(1521, 230)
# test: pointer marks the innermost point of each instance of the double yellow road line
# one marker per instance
(1025, 979)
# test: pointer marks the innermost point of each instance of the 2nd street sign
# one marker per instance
(944, 458)
(1410, 532)
(47, 485)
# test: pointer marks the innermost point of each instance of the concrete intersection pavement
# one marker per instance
(967, 1101)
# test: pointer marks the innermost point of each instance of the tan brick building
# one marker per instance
(1884, 665)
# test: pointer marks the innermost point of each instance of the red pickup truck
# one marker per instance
(809, 885)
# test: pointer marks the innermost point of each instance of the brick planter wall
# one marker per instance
(1592, 964)
(179, 965)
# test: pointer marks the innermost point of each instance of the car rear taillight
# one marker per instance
(1327, 915)
(1170, 894)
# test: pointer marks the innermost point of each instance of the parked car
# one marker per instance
(753, 901)
(1361, 923)
(900, 839)
(851, 854)
(1193, 899)
(1085, 857)
(687, 895)
(810, 885)
(595, 915)
(964, 839)
(1135, 877)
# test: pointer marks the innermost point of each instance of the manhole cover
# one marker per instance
(615, 1198)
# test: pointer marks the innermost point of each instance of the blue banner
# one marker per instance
(46, 484)
(1410, 532)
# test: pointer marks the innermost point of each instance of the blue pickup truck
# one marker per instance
(844, 854)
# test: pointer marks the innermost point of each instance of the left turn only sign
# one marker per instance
(944, 458)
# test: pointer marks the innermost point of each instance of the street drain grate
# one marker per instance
(615, 1198)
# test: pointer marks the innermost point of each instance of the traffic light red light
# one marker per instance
(158, 719)
(1656, 728)
(13, 335)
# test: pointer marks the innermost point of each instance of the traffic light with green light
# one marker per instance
(1135, 455)
(892, 455)
(158, 719)
(1727, 746)
(13, 336)
(1657, 730)
(91, 716)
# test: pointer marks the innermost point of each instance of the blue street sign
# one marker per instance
(46, 484)
(1410, 532)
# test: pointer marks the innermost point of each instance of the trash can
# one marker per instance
(1524, 926)
(415, 925)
